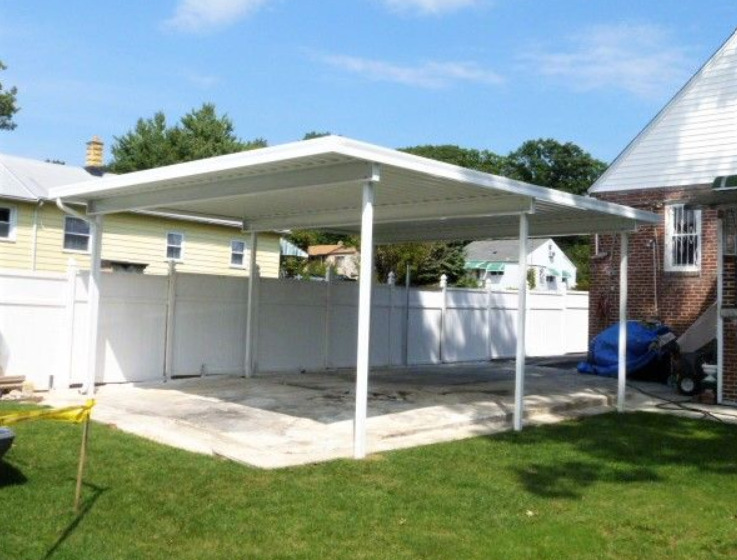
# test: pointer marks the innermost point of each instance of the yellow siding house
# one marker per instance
(36, 235)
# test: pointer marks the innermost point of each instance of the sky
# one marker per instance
(485, 74)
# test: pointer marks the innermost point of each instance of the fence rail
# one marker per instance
(154, 327)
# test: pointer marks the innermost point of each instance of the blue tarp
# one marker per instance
(643, 346)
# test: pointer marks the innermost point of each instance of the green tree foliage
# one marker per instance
(480, 160)
(566, 167)
(431, 260)
(201, 133)
(549, 163)
(8, 105)
(314, 134)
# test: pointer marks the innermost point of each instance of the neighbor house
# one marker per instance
(343, 259)
(497, 263)
(36, 235)
(681, 165)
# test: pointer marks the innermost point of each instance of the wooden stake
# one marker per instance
(80, 468)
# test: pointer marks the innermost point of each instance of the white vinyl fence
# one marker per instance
(153, 327)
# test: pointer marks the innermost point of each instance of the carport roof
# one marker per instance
(316, 184)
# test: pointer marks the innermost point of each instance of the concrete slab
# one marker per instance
(279, 420)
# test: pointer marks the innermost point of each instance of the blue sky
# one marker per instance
(478, 73)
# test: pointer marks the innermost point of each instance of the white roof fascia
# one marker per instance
(598, 185)
(325, 146)
(273, 180)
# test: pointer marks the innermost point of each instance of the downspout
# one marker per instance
(64, 208)
(93, 293)
(34, 237)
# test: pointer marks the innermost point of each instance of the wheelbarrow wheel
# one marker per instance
(688, 385)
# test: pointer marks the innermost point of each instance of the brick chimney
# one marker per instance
(93, 160)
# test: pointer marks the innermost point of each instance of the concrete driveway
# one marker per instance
(278, 420)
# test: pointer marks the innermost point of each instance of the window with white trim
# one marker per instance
(175, 246)
(238, 253)
(682, 238)
(7, 223)
(76, 234)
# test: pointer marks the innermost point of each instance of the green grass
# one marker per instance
(613, 486)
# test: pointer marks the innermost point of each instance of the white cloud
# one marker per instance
(429, 7)
(202, 81)
(430, 75)
(197, 16)
(639, 59)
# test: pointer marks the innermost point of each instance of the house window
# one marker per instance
(76, 234)
(7, 223)
(682, 238)
(238, 254)
(174, 246)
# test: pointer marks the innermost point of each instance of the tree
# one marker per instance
(314, 134)
(201, 133)
(565, 167)
(8, 105)
(549, 163)
(431, 260)
(480, 160)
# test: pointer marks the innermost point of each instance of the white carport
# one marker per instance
(338, 184)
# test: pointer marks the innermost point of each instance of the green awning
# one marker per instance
(475, 265)
(566, 274)
(495, 267)
(551, 272)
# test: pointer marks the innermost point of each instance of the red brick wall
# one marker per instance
(681, 296)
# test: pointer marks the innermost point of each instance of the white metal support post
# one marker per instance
(364, 316)
(622, 357)
(519, 377)
(252, 273)
(93, 299)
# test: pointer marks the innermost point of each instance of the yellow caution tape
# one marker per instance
(74, 414)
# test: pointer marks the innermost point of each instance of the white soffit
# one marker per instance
(317, 184)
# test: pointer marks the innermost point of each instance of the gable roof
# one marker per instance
(505, 250)
(692, 140)
(30, 179)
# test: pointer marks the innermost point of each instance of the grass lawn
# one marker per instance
(613, 486)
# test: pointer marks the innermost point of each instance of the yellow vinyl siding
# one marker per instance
(138, 239)
(17, 253)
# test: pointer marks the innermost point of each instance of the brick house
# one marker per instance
(682, 165)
